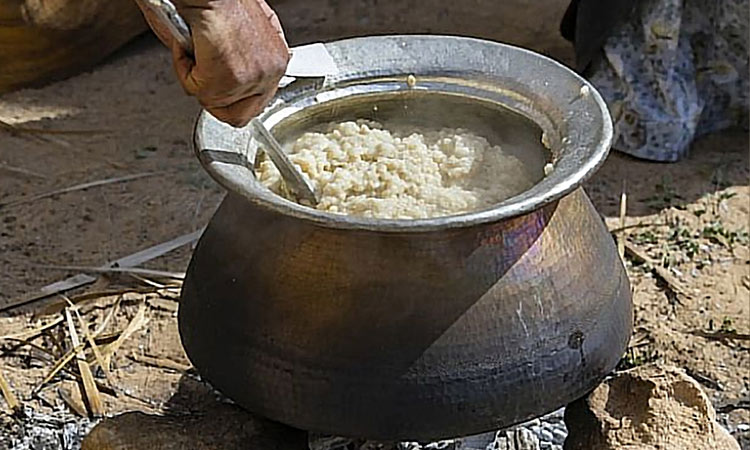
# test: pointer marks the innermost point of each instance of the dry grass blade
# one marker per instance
(108, 319)
(78, 300)
(10, 397)
(77, 187)
(29, 334)
(59, 365)
(72, 403)
(139, 320)
(172, 284)
(48, 357)
(162, 363)
(640, 255)
(89, 385)
(95, 348)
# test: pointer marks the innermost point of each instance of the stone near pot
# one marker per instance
(646, 408)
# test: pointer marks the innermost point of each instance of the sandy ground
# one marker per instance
(130, 117)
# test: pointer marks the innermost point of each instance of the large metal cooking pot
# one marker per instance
(422, 329)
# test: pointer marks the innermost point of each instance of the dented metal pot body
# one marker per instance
(413, 330)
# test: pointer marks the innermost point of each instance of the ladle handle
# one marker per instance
(180, 31)
(173, 21)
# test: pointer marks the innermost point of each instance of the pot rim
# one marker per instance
(579, 110)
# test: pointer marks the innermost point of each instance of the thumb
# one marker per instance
(183, 66)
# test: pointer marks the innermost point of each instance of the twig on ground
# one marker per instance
(162, 363)
(51, 289)
(21, 171)
(720, 335)
(127, 270)
(15, 130)
(84, 279)
(640, 255)
(77, 187)
(704, 380)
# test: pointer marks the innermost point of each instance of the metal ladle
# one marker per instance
(295, 182)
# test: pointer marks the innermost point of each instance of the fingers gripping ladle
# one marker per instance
(180, 31)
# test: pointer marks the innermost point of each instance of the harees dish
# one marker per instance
(362, 169)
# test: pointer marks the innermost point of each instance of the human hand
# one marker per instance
(239, 55)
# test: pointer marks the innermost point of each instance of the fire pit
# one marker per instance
(419, 329)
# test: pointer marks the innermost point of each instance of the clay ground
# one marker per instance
(689, 218)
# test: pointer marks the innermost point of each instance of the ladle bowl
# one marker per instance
(421, 329)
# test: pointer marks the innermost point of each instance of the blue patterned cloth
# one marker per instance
(677, 69)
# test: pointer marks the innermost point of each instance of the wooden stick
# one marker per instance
(10, 397)
(89, 386)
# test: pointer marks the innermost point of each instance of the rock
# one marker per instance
(227, 428)
(646, 408)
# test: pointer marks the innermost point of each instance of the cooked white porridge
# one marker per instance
(361, 169)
